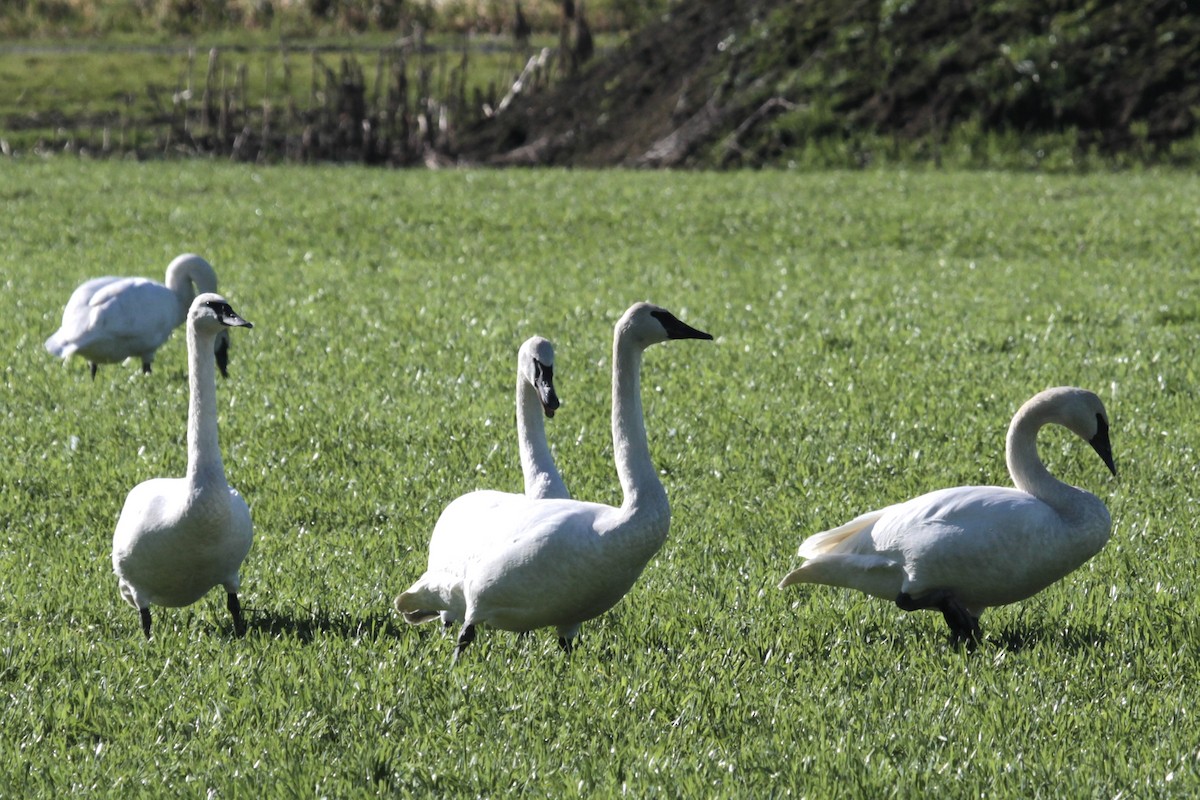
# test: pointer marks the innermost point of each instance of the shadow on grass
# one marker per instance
(1072, 639)
(316, 622)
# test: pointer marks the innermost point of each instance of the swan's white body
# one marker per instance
(177, 538)
(533, 563)
(964, 549)
(536, 397)
(108, 320)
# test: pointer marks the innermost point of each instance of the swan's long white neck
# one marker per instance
(537, 463)
(204, 451)
(1028, 472)
(188, 276)
(643, 492)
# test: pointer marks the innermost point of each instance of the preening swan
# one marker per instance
(177, 538)
(108, 320)
(560, 562)
(535, 397)
(964, 549)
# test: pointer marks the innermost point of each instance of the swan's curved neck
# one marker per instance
(537, 463)
(639, 481)
(204, 451)
(188, 276)
(1028, 472)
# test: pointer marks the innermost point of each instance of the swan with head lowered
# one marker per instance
(108, 320)
(177, 538)
(965, 549)
(536, 397)
(558, 562)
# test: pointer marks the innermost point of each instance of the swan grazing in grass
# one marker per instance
(535, 397)
(108, 320)
(560, 562)
(179, 537)
(964, 549)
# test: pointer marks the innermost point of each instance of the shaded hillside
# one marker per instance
(728, 83)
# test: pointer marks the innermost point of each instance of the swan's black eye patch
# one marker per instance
(221, 309)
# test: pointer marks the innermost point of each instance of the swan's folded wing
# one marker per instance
(134, 314)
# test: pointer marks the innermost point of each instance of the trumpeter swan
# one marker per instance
(108, 320)
(177, 538)
(561, 562)
(964, 549)
(536, 397)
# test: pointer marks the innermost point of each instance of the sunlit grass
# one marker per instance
(875, 334)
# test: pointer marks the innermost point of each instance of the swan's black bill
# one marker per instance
(1102, 445)
(676, 329)
(543, 382)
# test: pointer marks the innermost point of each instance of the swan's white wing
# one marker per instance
(548, 563)
(460, 536)
(76, 317)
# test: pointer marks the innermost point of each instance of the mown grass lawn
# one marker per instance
(875, 333)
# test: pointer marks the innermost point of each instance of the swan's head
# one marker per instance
(1081, 412)
(647, 324)
(211, 313)
(535, 362)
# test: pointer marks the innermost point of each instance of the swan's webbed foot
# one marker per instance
(465, 638)
(964, 626)
(144, 613)
(235, 609)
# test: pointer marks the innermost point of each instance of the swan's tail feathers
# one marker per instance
(828, 541)
(873, 574)
(56, 346)
(417, 617)
(426, 599)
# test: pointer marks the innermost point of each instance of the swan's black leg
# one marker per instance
(566, 645)
(145, 615)
(235, 608)
(92, 369)
(145, 367)
(964, 626)
(465, 638)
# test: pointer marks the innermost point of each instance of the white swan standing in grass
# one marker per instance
(561, 562)
(964, 549)
(108, 320)
(536, 397)
(179, 537)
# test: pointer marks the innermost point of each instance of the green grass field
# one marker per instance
(875, 333)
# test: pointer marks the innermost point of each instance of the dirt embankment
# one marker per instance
(723, 82)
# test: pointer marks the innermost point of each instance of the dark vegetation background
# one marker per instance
(698, 83)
